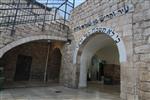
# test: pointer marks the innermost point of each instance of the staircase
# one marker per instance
(34, 13)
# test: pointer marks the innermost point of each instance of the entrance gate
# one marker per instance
(23, 68)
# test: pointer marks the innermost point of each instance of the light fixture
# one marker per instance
(48, 41)
(68, 41)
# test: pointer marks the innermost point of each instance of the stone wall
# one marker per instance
(30, 32)
(141, 56)
(133, 28)
(38, 51)
(69, 71)
(27, 30)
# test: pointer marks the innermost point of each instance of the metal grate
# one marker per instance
(15, 12)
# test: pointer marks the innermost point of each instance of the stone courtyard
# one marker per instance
(101, 41)
(56, 92)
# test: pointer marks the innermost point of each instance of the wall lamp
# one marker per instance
(68, 41)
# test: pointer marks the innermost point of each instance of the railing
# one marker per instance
(16, 12)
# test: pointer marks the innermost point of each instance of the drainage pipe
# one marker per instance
(46, 64)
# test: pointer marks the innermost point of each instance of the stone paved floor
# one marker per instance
(93, 92)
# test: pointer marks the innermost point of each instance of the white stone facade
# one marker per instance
(129, 21)
(132, 27)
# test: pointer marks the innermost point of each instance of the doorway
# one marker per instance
(100, 65)
(23, 67)
(96, 70)
(55, 65)
(101, 70)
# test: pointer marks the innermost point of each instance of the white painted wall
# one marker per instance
(109, 54)
(86, 59)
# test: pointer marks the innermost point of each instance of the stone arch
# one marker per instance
(108, 31)
(26, 40)
(79, 61)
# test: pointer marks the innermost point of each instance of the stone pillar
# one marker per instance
(68, 74)
(128, 71)
(141, 37)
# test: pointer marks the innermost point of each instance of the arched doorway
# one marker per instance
(100, 49)
(108, 51)
(24, 65)
(55, 65)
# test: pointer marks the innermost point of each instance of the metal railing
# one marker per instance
(16, 12)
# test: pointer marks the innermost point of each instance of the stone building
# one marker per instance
(106, 40)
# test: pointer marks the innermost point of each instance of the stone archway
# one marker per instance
(31, 53)
(109, 32)
(26, 40)
(79, 60)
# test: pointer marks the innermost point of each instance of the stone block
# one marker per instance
(144, 86)
(132, 97)
(136, 58)
(127, 19)
(145, 24)
(137, 43)
(147, 32)
(127, 30)
(143, 95)
(149, 39)
(147, 14)
(144, 76)
(142, 49)
(141, 65)
(137, 37)
(128, 45)
(137, 17)
(145, 57)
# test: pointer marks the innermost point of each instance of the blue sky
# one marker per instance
(79, 2)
